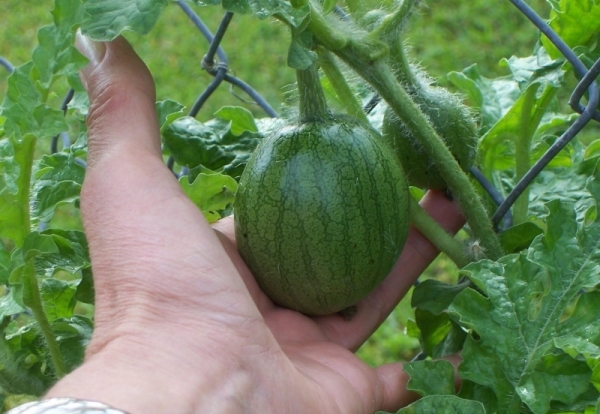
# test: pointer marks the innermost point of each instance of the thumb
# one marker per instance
(122, 114)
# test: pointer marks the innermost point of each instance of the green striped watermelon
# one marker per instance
(321, 214)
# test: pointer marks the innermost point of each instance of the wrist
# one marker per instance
(142, 376)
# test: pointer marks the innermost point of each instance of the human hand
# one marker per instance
(181, 325)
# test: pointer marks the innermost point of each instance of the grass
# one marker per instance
(445, 35)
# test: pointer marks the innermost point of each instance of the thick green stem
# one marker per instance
(24, 151)
(392, 24)
(33, 300)
(437, 235)
(358, 54)
(531, 116)
(379, 75)
(400, 63)
(313, 106)
(523, 155)
(331, 39)
(31, 293)
(341, 87)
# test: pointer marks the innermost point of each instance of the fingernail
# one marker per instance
(92, 50)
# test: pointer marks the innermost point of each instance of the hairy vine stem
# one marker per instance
(313, 105)
(359, 55)
(33, 300)
(341, 87)
(31, 291)
(437, 235)
(530, 120)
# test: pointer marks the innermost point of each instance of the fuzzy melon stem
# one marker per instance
(523, 155)
(393, 23)
(313, 106)
(381, 78)
(340, 86)
(358, 54)
(400, 62)
(34, 302)
(437, 235)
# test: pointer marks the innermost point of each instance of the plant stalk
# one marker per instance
(358, 54)
(313, 106)
(24, 156)
(437, 235)
(341, 87)
(400, 63)
(392, 24)
(331, 39)
(33, 300)
(379, 75)
(531, 116)
(523, 155)
(31, 291)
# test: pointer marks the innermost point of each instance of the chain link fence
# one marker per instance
(215, 62)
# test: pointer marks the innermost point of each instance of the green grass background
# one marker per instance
(445, 35)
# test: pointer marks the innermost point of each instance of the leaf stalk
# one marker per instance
(33, 300)
(437, 235)
(341, 87)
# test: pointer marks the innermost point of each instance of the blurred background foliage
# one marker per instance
(445, 36)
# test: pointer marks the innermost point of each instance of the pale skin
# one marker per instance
(181, 325)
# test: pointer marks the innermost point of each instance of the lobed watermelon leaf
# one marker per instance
(577, 22)
(526, 307)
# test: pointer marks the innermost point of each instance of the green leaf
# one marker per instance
(577, 22)
(523, 305)
(73, 335)
(71, 254)
(538, 68)
(15, 377)
(300, 53)
(55, 54)
(51, 251)
(24, 109)
(435, 296)
(9, 307)
(519, 237)
(106, 19)
(211, 193)
(58, 298)
(471, 391)
(565, 184)
(37, 244)
(430, 377)
(241, 119)
(492, 98)
(4, 265)
(263, 9)
(212, 145)
(443, 404)
(85, 289)
(438, 335)
(498, 145)
(576, 347)
(58, 180)
(168, 111)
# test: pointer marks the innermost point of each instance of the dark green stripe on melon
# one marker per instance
(321, 215)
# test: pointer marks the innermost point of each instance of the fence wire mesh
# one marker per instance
(215, 63)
